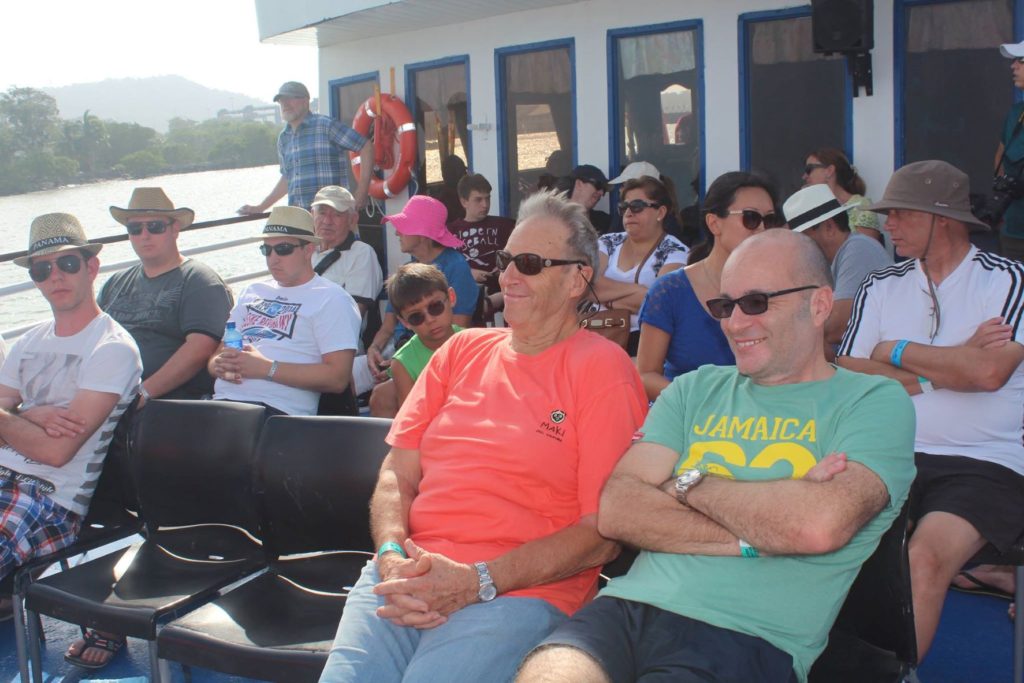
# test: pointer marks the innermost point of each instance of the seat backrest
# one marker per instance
(879, 608)
(192, 462)
(314, 479)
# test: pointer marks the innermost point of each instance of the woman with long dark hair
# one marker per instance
(830, 166)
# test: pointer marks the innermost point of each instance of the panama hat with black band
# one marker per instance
(53, 232)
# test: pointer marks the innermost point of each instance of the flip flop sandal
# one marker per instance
(981, 587)
(94, 639)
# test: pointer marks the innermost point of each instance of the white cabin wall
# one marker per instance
(587, 23)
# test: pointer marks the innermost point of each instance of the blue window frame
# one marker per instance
(535, 86)
(656, 103)
(957, 117)
(792, 101)
(438, 96)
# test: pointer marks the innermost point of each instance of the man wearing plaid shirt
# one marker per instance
(310, 150)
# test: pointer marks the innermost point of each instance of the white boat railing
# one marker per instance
(216, 246)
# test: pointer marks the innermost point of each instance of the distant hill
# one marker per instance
(150, 102)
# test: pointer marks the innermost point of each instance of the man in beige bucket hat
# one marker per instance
(63, 380)
(947, 325)
(300, 330)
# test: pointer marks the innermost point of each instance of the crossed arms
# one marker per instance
(422, 590)
(814, 515)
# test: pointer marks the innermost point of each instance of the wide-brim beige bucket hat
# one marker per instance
(152, 200)
(53, 232)
(290, 221)
(936, 187)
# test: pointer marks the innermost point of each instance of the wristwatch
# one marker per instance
(687, 480)
(487, 590)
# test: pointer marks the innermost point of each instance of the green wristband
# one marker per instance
(747, 550)
(391, 547)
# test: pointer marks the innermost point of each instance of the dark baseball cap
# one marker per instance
(591, 174)
(291, 89)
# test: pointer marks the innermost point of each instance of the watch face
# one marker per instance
(487, 592)
(688, 477)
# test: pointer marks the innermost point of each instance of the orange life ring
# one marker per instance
(405, 128)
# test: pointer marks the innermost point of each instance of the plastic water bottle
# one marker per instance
(232, 337)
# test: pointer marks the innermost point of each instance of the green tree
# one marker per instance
(127, 138)
(32, 117)
(146, 162)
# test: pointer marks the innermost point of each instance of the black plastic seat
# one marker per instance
(192, 462)
(873, 639)
(314, 481)
(1014, 557)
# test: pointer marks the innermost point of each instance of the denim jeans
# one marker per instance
(481, 642)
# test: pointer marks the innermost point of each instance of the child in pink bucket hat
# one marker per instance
(426, 217)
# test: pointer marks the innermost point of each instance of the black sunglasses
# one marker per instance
(40, 270)
(530, 264)
(434, 308)
(810, 168)
(283, 249)
(154, 227)
(752, 219)
(751, 304)
(636, 206)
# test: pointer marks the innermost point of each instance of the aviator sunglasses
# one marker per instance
(283, 249)
(154, 227)
(40, 270)
(751, 304)
(434, 308)
(530, 264)
(636, 206)
(751, 219)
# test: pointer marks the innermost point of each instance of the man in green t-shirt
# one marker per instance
(755, 492)
(423, 301)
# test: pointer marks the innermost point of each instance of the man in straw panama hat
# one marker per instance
(300, 330)
(947, 325)
(63, 380)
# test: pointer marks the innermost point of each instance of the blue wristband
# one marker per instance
(896, 357)
(391, 547)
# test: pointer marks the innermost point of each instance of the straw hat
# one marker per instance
(149, 200)
(53, 232)
(810, 206)
(424, 216)
(290, 221)
(935, 187)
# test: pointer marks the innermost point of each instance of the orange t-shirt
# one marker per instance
(515, 447)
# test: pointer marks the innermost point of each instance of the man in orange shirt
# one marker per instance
(485, 510)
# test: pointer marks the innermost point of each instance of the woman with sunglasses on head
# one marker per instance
(485, 511)
(631, 260)
(829, 166)
(677, 333)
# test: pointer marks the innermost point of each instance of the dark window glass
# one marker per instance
(537, 91)
(797, 101)
(441, 107)
(658, 101)
(956, 86)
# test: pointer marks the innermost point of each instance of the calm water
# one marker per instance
(212, 195)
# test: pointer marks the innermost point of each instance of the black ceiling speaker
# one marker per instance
(845, 26)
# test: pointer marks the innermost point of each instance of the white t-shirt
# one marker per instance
(47, 370)
(669, 251)
(893, 303)
(357, 271)
(292, 325)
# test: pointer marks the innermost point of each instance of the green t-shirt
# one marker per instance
(414, 355)
(720, 419)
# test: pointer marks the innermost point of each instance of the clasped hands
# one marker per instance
(232, 365)
(422, 590)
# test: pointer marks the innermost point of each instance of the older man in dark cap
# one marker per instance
(586, 185)
(311, 150)
(947, 324)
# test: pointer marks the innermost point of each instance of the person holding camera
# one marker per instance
(1008, 187)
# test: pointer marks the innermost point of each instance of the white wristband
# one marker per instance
(272, 371)
(142, 392)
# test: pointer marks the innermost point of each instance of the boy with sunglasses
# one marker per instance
(423, 301)
(300, 330)
(63, 384)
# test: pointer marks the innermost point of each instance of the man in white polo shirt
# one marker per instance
(300, 330)
(341, 257)
(947, 325)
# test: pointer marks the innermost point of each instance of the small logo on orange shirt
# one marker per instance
(557, 416)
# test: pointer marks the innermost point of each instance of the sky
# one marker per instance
(212, 42)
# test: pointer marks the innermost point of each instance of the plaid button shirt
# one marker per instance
(312, 156)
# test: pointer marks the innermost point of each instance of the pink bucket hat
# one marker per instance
(426, 217)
